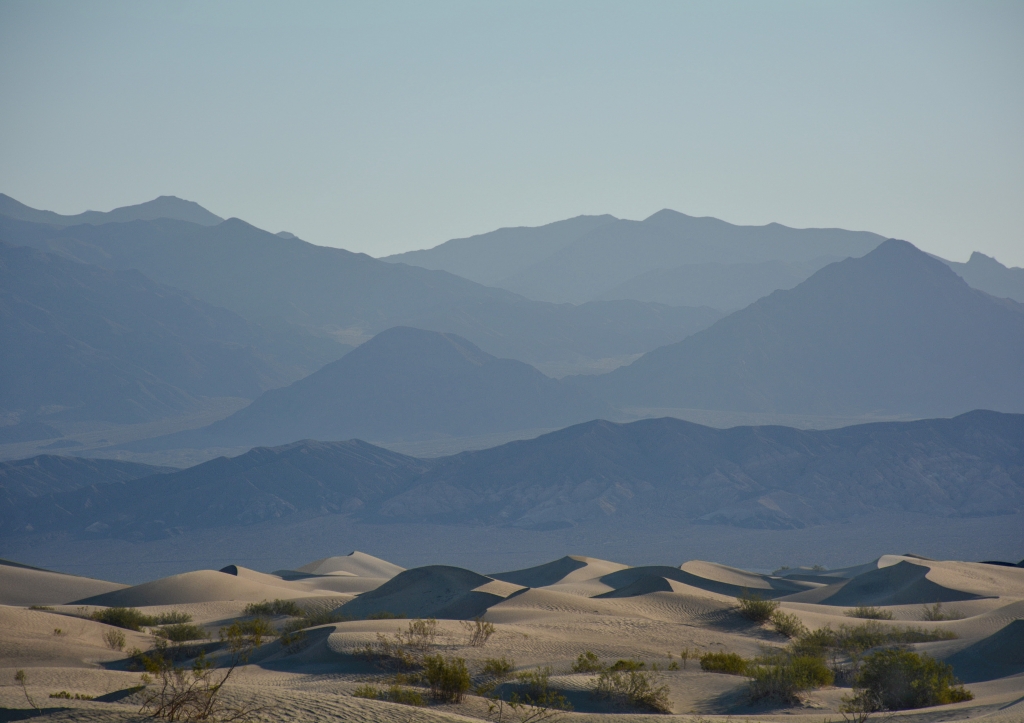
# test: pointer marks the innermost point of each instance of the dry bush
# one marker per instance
(127, 618)
(22, 680)
(935, 613)
(867, 612)
(587, 662)
(897, 679)
(530, 699)
(754, 606)
(181, 633)
(448, 678)
(632, 687)
(479, 632)
(787, 624)
(114, 639)
(275, 607)
(728, 663)
(64, 695)
(783, 676)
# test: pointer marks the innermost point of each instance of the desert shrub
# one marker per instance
(68, 696)
(479, 632)
(114, 639)
(631, 664)
(292, 632)
(729, 663)
(274, 607)
(587, 662)
(448, 678)
(173, 617)
(754, 606)
(181, 632)
(688, 654)
(21, 679)
(898, 679)
(420, 634)
(498, 667)
(368, 691)
(127, 618)
(384, 615)
(47, 608)
(935, 613)
(405, 696)
(673, 665)
(785, 676)
(530, 698)
(634, 688)
(868, 613)
(787, 624)
(59, 632)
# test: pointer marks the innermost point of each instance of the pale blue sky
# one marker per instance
(382, 127)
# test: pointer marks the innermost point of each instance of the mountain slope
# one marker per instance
(85, 343)
(404, 384)
(644, 474)
(331, 291)
(895, 331)
(985, 273)
(611, 253)
(160, 207)
(487, 258)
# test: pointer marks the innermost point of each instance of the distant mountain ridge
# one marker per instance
(894, 332)
(659, 469)
(161, 207)
(985, 273)
(597, 257)
(404, 383)
(349, 297)
(85, 343)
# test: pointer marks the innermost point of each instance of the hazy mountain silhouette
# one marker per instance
(895, 331)
(660, 469)
(161, 207)
(260, 275)
(722, 286)
(590, 256)
(985, 273)
(403, 384)
(488, 258)
(85, 343)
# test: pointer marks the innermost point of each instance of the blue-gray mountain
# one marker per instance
(161, 207)
(336, 293)
(80, 342)
(893, 332)
(662, 469)
(403, 384)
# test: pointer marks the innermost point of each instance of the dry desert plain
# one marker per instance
(542, 617)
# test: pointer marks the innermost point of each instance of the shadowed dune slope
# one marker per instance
(436, 591)
(23, 585)
(730, 584)
(904, 583)
(997, 656)
(643, 585)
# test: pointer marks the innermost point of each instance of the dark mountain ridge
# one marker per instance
(664, 470)
(402, 384)
(894, 332)
(161, 207)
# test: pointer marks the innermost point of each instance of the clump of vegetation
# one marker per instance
(688, 654)
(781, 677)
(114, 639)
(21, 679)
(405, 649)
(293, 632)
(173, 617)
(587, 662)
(728, 663)
(499, 668)
(448, 678)
(385, 615)
(394, 693)
(192, 694)
(59, 632)
(274, 608)
(479, 632)
(867, 612)
(754, 606)
(632, 686)
(935, 613)
(127, 618)
(68, 696)
(181, 633)
(787, 624)
(899, 679)
(46, 608)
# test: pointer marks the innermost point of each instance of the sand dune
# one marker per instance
(436, 591)
(568, 569)
(710, 577)
(355, 563)
(997, 656)
(23, 585)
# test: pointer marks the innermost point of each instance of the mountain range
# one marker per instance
(893, 332)
(161, 207)
(404, 383)
(584, 475)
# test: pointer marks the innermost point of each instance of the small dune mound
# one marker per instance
(997, 656)
(194, 587)
(435, 591)
(905, 583)
(642, 586)
(571, 568)
(354, 563)
(23, 585)
(710, 577)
